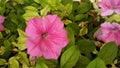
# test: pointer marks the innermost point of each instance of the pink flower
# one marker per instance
(1, 21)
(108, 7)
(46, 37)
(109, 32)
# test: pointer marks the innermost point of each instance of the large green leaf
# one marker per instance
(96, 63)
(40, 63)
(51, 63)
(70, 57)
(108, 52)
(71, 37)
(82, 62)
(86, 47)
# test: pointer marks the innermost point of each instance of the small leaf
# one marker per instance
(96, 63)
(114, 17)
(80, 17)
(30, 12)
(2, 62)
(108, 52)
(22, 58)
(13, 63)
(45, 10)
(83, 31)
(48, 2)
(70, 57)
(74, 27)
(21, 44)
(68, 8)
(84, 7)
(8, 49)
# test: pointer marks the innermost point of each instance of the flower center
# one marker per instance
(113, 7)
(114, 30)
(44, 35)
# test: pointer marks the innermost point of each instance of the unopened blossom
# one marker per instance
(46, 37)
(108, 32)
(2, 18)
(108, 7)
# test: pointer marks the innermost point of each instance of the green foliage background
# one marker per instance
(81, 20)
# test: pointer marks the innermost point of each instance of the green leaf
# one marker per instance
(83, 31)
(51, 63)
(40, 63)
(45, 10)
(48, 2)
(68, 8)
(96, 63)
(80, 17)
(8, 49)
(70, 57)
(2, 62)
(21, 44)
(2, 50)
(86, 47)
(13, 63)
(84, 7)
(42, 2)
(22, 58)
(108, 52)
(114, 17)
(66, 22)
(74, 27)
(30, 12)
(64, 2)
(82, 62)
(71, 37)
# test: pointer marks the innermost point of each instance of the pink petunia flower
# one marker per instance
(46, 37)
(2, 18)
(109, 32)
(109, 7)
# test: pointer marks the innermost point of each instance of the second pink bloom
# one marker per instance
(109, 7)
(109, 32)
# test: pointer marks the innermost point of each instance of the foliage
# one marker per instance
(81, 19)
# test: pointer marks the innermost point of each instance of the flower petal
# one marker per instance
(35, 27)
(51, 50)
(33, 48)
(1, 27)
(55, 24)
(2, 18)
(117, 10)
(60, 39)
(106, 12)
